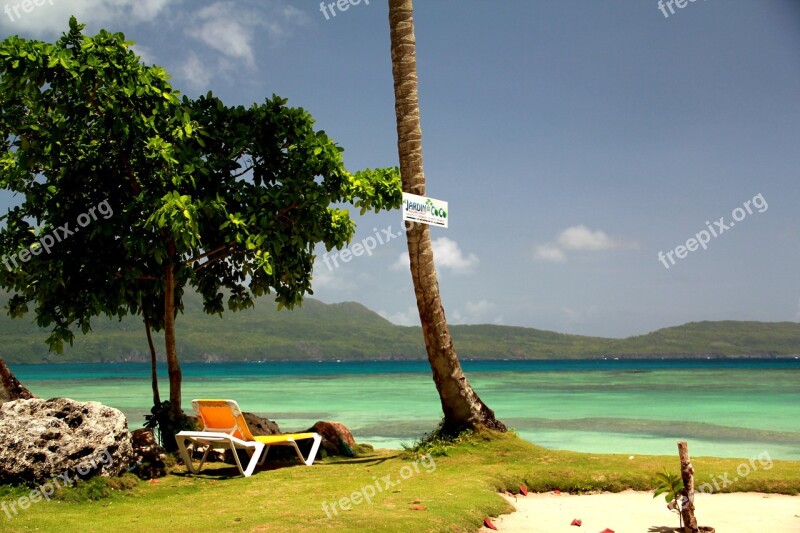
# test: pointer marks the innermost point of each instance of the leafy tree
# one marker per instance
(463, 408)
(228, 200)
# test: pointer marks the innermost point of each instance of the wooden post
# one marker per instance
(687, 501)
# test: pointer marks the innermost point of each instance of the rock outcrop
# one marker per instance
(336, 438)
(148, 456)
(61, 438)
(10, 387)
(260, 426)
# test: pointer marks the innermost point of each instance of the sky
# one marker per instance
(610, 168)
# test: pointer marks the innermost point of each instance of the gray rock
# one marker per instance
(44, 439)
(260, 426)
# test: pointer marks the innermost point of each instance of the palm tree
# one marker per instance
(10, 387)
(462, 407)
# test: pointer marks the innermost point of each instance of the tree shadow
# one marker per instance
(663, 529)
(360, 460)
(217, 470)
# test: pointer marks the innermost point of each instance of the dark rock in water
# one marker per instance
(10, 387)
(336, 438)
(63, 439)
(148, 455)
(260, 426)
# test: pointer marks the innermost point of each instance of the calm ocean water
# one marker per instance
(725, 408)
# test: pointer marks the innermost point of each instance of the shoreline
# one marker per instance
(610, 358)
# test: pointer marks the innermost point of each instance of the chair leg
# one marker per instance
(255, 458)
(312, 454)
(203, 460)
(263, 456)
(184, 453)
(255, 455)
(236, 457)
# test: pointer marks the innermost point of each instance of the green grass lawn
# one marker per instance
(448, 493)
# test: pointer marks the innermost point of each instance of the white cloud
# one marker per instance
(481, 312)
(148, 9)
(195, 71)
(579, 316)
(409, 317)
(550, 252)
(144, 53)
(581, 239)
(447, 255)
(230, 29)
(327, 278)
(52, 17)
(215, 26)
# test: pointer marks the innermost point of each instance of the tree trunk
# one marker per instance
(10, 387)
(153, 367)
(173, 367)
(687, 502)
(462, 407)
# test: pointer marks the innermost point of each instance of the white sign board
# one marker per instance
(425, 210)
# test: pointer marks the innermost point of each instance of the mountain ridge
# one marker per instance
(350, 331)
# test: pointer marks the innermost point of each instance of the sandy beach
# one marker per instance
(638, 512)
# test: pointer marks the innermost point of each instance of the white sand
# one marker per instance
(638, 512)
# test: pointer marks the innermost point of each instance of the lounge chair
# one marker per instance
(224, 427)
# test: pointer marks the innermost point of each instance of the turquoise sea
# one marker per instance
(724, 408)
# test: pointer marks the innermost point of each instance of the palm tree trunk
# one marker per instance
(462, 407)
(10, 387)
(153, 367)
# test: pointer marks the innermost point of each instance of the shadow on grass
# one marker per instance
(224, 470)
(361, 460)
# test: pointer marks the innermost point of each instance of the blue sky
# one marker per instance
(574, 140)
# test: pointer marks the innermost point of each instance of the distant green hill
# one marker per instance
(350, 331)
